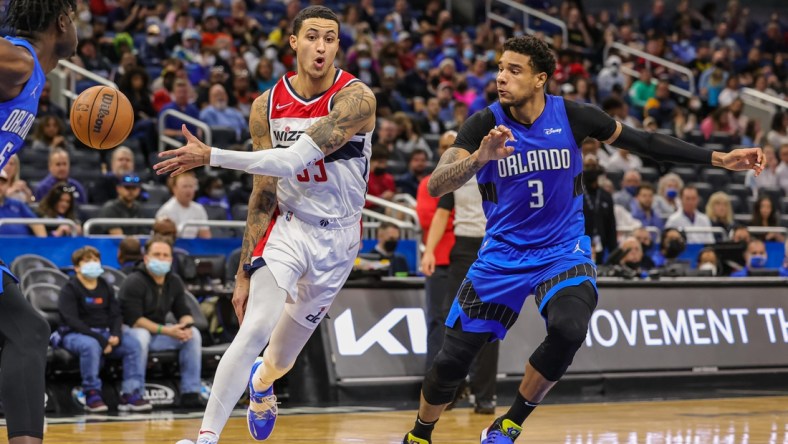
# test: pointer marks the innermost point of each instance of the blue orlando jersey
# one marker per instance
(533, 198)
(18, 114)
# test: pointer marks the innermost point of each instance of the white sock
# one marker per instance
(287, 341)
(266, 303)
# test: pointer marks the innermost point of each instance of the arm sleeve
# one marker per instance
(179, 306)
(69, 310)
(589, 121)
(446, 202)
(277, 162)
(132, 300)
(474, 129)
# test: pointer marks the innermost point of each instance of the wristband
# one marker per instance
(158, 330)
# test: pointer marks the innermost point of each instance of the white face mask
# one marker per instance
(85, 16)
(271, 53)
(225, 54)
(708, 266)
(152, 40)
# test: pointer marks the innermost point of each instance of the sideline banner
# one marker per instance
(382, 332)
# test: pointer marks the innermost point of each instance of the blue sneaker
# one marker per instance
(502, 431)
(262, 410)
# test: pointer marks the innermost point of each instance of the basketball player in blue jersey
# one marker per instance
(525, 153)
(45, 33)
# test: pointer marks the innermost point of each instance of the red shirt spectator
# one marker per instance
(425, 208)
(381, 182)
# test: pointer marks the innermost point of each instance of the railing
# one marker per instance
(165, 140)
(659, 60)
(69, 71)
(90, 224)
(768, 230)
(213, 224)
(394, 209)
(48, 222)
(527, 14)
(749, 93)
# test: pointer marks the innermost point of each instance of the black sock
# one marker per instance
(520, 409)
(423, 429)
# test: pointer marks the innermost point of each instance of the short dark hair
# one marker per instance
(310, 12)
(27, 17)
(611, 103)
(542, 59)
(87, 252)
(688, 187)
(387, 225)
(157, 239)
(645, 186)
(379, 152)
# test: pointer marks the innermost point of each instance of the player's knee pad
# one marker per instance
(568, 314)
(451, 365)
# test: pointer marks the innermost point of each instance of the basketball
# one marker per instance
(102, 117)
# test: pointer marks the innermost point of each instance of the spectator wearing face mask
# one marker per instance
(672, 245)
(450, 52)
(634, 259)
(486, 97)
(646, 245)
(708, 262)
(598, 209)
(629, 187)
(408, 182)
(666, 202)
(386, 249)
(755, 257)
(219, 114)
(381, 183)
(212, 193)
(642, 207)
(93, 329)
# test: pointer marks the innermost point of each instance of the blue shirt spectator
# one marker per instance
(172, 125)
(219, 114)
(59, 169)
(12, 208)
(756, 257)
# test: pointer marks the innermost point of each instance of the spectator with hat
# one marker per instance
(125, 206)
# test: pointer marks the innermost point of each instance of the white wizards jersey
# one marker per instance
(331, 192)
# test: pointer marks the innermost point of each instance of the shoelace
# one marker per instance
(271, 407)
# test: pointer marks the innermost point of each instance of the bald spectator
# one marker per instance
(629, 187)
(59, 169)
(633, 257)
(219, 114)
(121, 164)
(182, 208)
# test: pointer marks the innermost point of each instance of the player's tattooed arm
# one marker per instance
(456, 167)
(353, 112)
(262, 201)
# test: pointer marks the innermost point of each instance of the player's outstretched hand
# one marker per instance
(493, 145)
(744, 159)
(192, 155)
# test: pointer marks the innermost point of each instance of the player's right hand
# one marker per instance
(241, 296)
(428, 263)
(493, 145)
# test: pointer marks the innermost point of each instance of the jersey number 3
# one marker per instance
(537, 193)
(321, 176)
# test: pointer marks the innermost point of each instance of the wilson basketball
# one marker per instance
(102, 117)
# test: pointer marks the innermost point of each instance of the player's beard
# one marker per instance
(514, 102)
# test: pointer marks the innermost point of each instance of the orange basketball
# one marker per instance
(102, 117)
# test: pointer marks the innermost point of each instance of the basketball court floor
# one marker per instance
(750, 420)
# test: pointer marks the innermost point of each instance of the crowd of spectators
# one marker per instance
(210, 59)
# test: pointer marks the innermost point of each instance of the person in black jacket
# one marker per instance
(92, 328)
(600, 219)
(147, 295)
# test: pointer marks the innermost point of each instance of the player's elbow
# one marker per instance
(434, 189)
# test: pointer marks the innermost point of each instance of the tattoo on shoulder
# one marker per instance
(354, 106)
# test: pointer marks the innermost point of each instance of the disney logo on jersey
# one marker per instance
(19, 122)
(535, 160)
(550, 131)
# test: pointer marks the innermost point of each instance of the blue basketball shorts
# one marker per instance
(493, 293)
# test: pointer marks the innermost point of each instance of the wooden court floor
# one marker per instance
(761, 420)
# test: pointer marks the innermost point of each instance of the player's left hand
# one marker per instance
(742, 159)
(192, 155)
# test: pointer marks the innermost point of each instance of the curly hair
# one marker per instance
(542, 58)
(28, 17)
(47, 206)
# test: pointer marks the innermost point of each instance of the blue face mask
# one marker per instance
(423, 65)
(672, 193)
(491, 55)
(91, 270)
(757, 261)
(631, 190)
(158, 267)
(389, 71)
(390, 26)
(450, 52)
(467, 54)
(365, 63)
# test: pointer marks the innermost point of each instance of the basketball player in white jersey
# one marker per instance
(312, 193)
